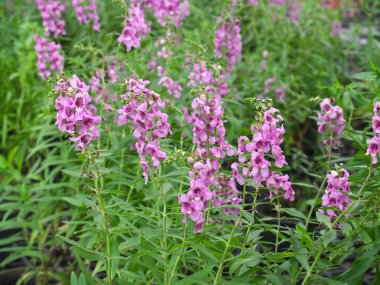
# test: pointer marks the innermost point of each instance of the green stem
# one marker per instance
(220, 268)
(278, 208)
(179, 256)
(249, 228)
(104, 214)
(164, 214)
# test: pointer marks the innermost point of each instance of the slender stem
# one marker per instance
(121, 160)
(174, 270)
(249, 227)
(310, 271)
(220, 268)
(278, 208)
(103, 212)
(331, 227)
(163, 222)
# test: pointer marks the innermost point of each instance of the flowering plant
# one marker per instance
(189, 143)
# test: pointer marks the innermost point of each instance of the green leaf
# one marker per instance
(83, 269)
(197, 278)
(277, 279)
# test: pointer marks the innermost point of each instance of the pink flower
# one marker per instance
(374, 143)
(258, 156)
(74, 112)
(135, 29)
(331, 123)
(227, 42)
(268, 84)
(51, 14)
(48, 57)
(171, 86)
(336, 193)
(87, 13)
(148, 123)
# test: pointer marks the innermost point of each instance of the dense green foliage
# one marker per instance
(55, 203)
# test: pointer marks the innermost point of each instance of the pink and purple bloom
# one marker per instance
(75, 116)
(258, 156)
(227, 42)
(87, 12)
(51, 14)
(336, 193)
(374, 143)
(48, 57)
(148, 123)
(135, 29)
(331, 123)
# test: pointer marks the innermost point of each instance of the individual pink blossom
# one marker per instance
(331, 123)
(374, 143)
(148, 123)
(48, 57)
(135, 29)
(86, 12)
(258, 156)
(51, 14)
(336, 193)
(227, 42)
(75, 116)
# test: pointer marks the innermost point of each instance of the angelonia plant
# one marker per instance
(170, 192)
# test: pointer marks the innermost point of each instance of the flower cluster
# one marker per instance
(174, 10)
(148, 123)
(336, 193)
(227, 42)
(209, 131)
(97, 85)
(201, 76)
(48, 57)
(211, 148)
(171, 86)
(135, 29)
(331, 123)
(195, 202)
(75, 115)
(51, 14)
(293, 7)
(227, 196)
(87, 13)
(374, 143)
(255, 155)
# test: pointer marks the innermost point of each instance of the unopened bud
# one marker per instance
(190, 160)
